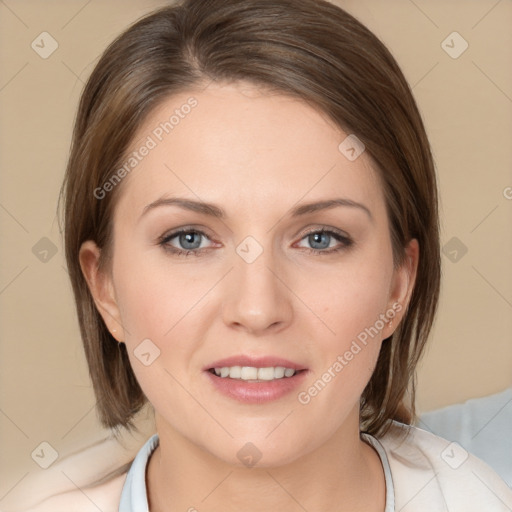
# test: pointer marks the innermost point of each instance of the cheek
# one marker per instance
(160, 306)
(351, 302)
(154, 297)
(156, 306)
(349, 298)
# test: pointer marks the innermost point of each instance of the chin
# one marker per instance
(256, 450)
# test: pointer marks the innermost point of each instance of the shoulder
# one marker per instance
(431, 473)
(90, 479)
(104, 497)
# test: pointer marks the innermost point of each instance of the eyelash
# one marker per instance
(345, 242)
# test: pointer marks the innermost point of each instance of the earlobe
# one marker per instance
(101, 288)
(404, 279)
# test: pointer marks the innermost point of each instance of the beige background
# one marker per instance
(466, 103)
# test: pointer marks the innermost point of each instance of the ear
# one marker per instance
(101, 288)
(402, 286)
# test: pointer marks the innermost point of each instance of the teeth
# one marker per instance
(252, 373)
(235, 372)
(249, 373)
(266, 373)
(279, 372)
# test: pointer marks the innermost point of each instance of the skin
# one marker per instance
(256, 155)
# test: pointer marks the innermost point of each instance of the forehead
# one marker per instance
(239, 144)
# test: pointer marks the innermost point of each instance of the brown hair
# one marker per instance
(308, 49)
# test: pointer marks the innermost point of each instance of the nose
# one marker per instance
(256, 298)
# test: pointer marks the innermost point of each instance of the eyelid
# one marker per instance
(324, 229)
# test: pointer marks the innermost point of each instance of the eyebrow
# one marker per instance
(217, 212)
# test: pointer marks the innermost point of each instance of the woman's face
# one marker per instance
(284, 261)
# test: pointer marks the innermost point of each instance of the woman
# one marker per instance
(251, 232)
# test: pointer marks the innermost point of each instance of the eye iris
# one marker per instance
(322, 239)
(190, 240)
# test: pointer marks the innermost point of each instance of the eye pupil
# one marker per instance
(321, 239)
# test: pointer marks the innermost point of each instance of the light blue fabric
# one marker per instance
(390, 491)
(482, 426)
(134, 494)
(134, 497)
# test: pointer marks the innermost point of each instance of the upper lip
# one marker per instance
(256, 362)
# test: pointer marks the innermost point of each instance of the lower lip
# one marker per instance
(256, 392)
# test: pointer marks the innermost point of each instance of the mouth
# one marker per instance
(255, 380)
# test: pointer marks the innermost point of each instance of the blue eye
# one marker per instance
(190, 241)
(325, 241)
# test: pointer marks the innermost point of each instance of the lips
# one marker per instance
(255, 379)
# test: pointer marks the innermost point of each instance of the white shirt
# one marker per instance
(424, 473)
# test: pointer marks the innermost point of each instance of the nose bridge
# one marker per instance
(257, 299)
(253, 264)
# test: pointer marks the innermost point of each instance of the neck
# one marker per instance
(343, 474)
